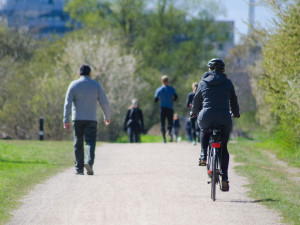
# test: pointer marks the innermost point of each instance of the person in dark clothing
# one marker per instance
(134, 122)
(189, 101)
(188, 129)
(166, 94)
(213, 100)
(176, 126)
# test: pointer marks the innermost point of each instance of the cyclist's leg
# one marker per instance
(225, 157)
(163, 116)
(204, 139)
(78, 131)
(90, 133)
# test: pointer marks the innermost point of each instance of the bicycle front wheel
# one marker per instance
(214, 176)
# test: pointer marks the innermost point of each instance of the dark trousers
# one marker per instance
(166, 113)
(194, 127)
(133, 134)
(204, 139)
(84, 130)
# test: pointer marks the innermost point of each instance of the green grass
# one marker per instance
(290, 153)
(144, 139)
(271, 186)
(25, 163)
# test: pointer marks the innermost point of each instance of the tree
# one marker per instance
(281, 79)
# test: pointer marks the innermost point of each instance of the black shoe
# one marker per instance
(202, 162)
(89, 169)
(225, 185)
(79, 172)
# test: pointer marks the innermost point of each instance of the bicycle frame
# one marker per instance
(214, 161)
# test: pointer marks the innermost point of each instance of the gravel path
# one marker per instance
(142, 184)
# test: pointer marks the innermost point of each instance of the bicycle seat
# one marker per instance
(214, 129)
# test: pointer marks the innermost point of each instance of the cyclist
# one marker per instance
(189, 101)
(211, 103)
(134, 122)
(166, 94)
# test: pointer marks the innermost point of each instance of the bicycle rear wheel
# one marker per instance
(209, 158)
(214, 177)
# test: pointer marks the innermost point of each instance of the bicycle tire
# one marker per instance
(214, 175)
(209, 158)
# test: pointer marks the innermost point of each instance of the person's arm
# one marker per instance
(126, 120)
(142, 120)
(197, 102)
(234, 105)
(104, 104)
(175, 97)
(156, 96)
(67, 107)
(188, 101)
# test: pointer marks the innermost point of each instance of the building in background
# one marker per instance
(223, 48)
(40, 17)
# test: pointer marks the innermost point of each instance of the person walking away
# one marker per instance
(212, 103)
(176, 126)
(166, 94)
(188, 129)
(83, 95)
(134, 122)
(189, 101)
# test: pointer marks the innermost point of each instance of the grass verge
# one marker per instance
(25, 163)
(144, 139)
(269, 185)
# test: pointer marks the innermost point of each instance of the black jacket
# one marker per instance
(189, 99)
(214, 99)
(134, 119)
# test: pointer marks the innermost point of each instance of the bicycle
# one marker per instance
(214, 159)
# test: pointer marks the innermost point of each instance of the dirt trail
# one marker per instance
(291, 172)
(157, 184)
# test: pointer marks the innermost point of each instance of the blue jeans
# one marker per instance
(133, 134)
(84, 130)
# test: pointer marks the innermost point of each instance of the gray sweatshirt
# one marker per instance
(83, 95)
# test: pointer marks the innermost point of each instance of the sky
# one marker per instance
(237, 10)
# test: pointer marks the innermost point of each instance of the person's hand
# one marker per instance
(235, 116)
(106, 122)
(67, 126)
(192, 115)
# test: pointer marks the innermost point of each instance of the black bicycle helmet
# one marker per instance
(216, 64)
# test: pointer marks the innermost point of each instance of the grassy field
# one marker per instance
(25, 163)
(270, 185)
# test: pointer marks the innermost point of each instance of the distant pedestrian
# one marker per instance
(189, 102)
(166, 94)
(176, 126)
(188, 129)
(134, 122)
(83, 95)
